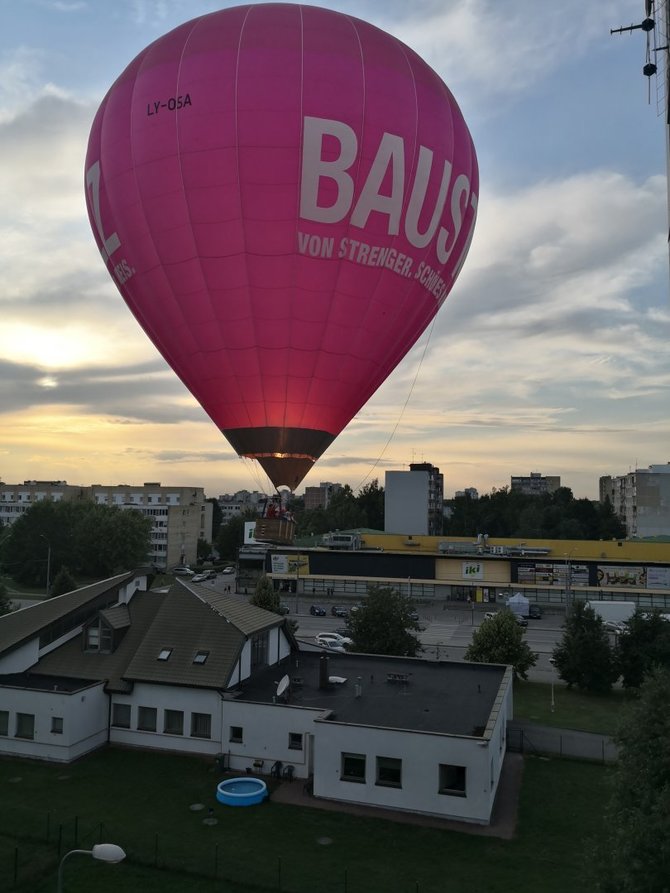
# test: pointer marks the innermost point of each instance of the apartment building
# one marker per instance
(413, 500)
(535, 484)
(641, 499)
(180, 515)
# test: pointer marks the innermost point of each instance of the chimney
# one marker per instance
(324, 672)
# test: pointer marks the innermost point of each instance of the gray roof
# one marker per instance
(246, 617)
(71, 661)
(439, 697)
(196, 619)
(117, 617)
(26, 623)
(185, 620)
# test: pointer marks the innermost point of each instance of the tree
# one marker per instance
(557, 515)
(265, 595)
(645, 643)
(634, 854)
(499, 640)
(5, 604)
(584, 657)
(63, 582)
(371, 500)
(92, 540)
(217, 518)
(383, 624)
(231, 535)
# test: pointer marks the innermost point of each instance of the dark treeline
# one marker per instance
(558, 515)
(345, 511)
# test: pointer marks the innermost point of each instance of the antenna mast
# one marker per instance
(656, 29)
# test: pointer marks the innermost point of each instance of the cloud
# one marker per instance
(495, 49)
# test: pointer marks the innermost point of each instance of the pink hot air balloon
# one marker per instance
(284, 196)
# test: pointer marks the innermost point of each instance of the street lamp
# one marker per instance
(48, 562)
(568, 580)
(104, 852)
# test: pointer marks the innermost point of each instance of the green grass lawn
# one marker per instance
(141, 801)
(572, 709)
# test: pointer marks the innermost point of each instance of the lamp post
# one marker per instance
(568, 580)
(297, 582)
(104, 852)
(48, 562)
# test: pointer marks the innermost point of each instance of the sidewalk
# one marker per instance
(503, 820)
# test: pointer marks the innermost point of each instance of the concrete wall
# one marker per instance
(421, 755)
(84, 714)
(163, 697)
(406, 495)
(266, 729)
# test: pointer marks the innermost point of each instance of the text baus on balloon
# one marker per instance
(390, 156)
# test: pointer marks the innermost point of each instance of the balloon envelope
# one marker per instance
(284, 196)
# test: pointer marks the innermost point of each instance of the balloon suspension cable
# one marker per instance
(260, 479)
(402, 411)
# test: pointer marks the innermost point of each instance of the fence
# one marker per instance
(561, 743)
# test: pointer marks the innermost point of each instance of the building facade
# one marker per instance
(234, 505)
(535, 484)
(641, 499)
(180, 515)
(195, 671)
(319, 497)
(413, 500)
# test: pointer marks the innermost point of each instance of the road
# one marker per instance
(446, 634)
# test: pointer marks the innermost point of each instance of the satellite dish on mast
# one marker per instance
(282, 686)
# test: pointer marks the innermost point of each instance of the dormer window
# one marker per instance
(98, 637)
(200, 657)
(165, 654)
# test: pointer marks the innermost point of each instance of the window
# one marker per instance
(4, 722)
(25, 725)
(295, 740)
(92, 638)
(353, 767)
(452, 780)
(173, 722)
(121, 716)
(236, 734)
(201, 725)
(99, 637)
(389, 772)
(200, 657)
(165, 653)
(56, 725)
(259, 650)
(146, 719)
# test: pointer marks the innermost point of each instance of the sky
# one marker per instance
(551, 354)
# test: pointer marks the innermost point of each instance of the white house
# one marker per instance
(194, 671)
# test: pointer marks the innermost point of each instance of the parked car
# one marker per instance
(490, 615)
(339, 611)
(535, 612)
(212, 575)
(183, 570)
(228, 570)
(200, 578)
(332, 645)
(343, 631)
(329, 639)
(317, 611)
(520, 620)
(284, 608)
